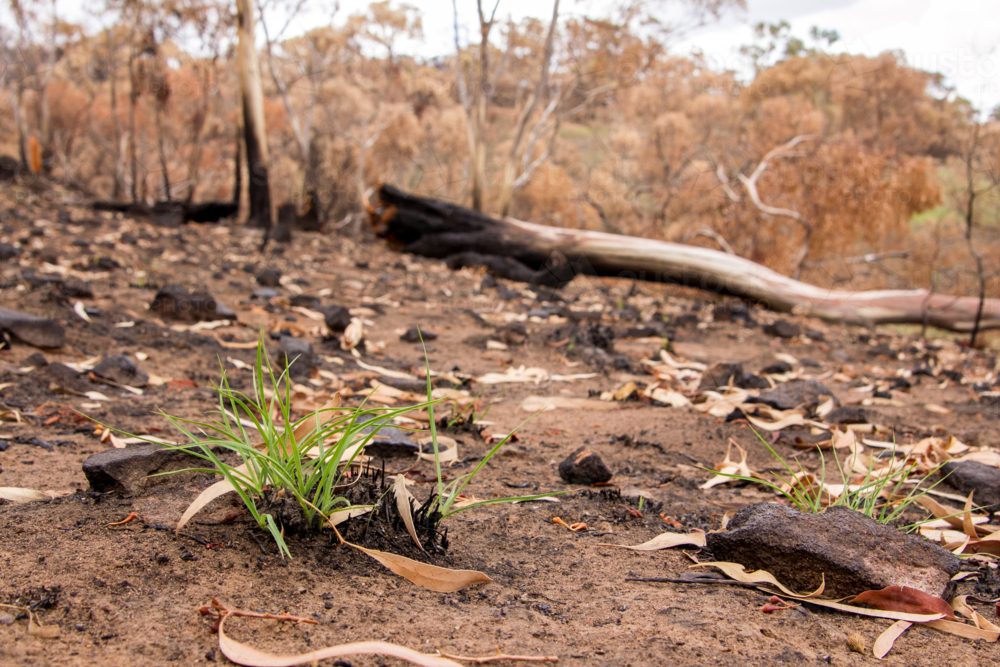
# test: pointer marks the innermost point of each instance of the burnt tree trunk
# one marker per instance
(552, 256)
(255, 135)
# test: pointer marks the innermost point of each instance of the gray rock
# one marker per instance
(584, 466)
(718, 375)
(9, 251)
(337, 317)
(268, 277)
(389, 441)
(78, 289)
(981, 480)
(305, 301)
(809, 393)
(296, 355)
(176, 302)
(783, 329)
(849, 414)
(128, 469)
(854, 552)
(120, 370)
(413, 335)
(33, 330)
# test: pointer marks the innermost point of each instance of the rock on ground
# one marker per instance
(122, 370)
(128, 468)
(718, 375)
(808, 393)
(584, 466)
(981, 480)
(853, 551)
(33, 330)
(296, 355)
(176, 302)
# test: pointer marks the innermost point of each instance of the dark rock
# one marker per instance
(982, 480)
(734, 311)
(814, 334)
(718, 375)
(128, 469)
(840, 355)
(120, 370)
(584, 467)
(685, 321)
(78, 289)
(37, 360)
(808, 393)
(9, 168)
(853, 551)
(31, 329)
(883, 350)
(8, 251)
(413, 335)
(268, 277)
(104, 264)
(849, 414)
(337, 317)
(488, 282)
(777, 368)
(514, 333)
(783, 329)
(176, 302)
(36, 280)
(63, 376)
(389, 441)
(809, 362)
(295, 354)
(305, 301)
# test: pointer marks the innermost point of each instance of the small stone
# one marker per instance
(295, 354)
(718, 375)
(78, 289)
(9, 251)
(809, 393)
(514, 333)
(176, 302)
(414, 334)
(37, 360)
(853, 551)
(979, 479)
(783, 329)
(337, 317)
(265, 293)
(488, 282)
(120, 370)
(128, 469)
(33, 330)
(584, 466)
(849, 414)
(6, 619)
(777, 368)
(268, 277)
(305, 301)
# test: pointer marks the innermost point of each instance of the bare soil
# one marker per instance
(127, 595)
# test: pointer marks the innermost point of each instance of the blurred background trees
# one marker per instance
(839, 167)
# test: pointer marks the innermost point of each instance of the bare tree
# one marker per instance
(254, 132)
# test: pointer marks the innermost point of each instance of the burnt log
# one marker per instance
(551, 257)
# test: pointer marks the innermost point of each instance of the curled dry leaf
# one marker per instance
(905, 599)
(404, 507)
(794, 419)
(353, 334)
(431, 577)
(545, 403)
(665, 541)
(242, 654)
(738, 572)
(448, 455)
(220, 488)
(729, 467)
(963, 630)
(885, 640)
(18, 495)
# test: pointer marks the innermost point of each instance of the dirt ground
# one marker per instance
(128, 595)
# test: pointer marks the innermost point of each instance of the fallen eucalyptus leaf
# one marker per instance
(665, 541)
(242, 654)
(738, 572)
(404, 508)
(431, 577)
(18, 495)
(885, 640)
(905, 599)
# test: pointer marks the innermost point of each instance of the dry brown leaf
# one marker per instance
(875, 613)
(737, 572)
(963, 630)
(790, 420)
(404, 508)
(885, 640)
(905, 599)
(236, 345)
(242, 654)
(448, 455)
(545, 403)
(967, 525)
(353, 334)
(665, 541)
(220, 488)
(41, 631)
(729, 467)
(937, 409)
(18, 495)
(431, 577)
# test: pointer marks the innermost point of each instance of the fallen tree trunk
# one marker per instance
(552, 256)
